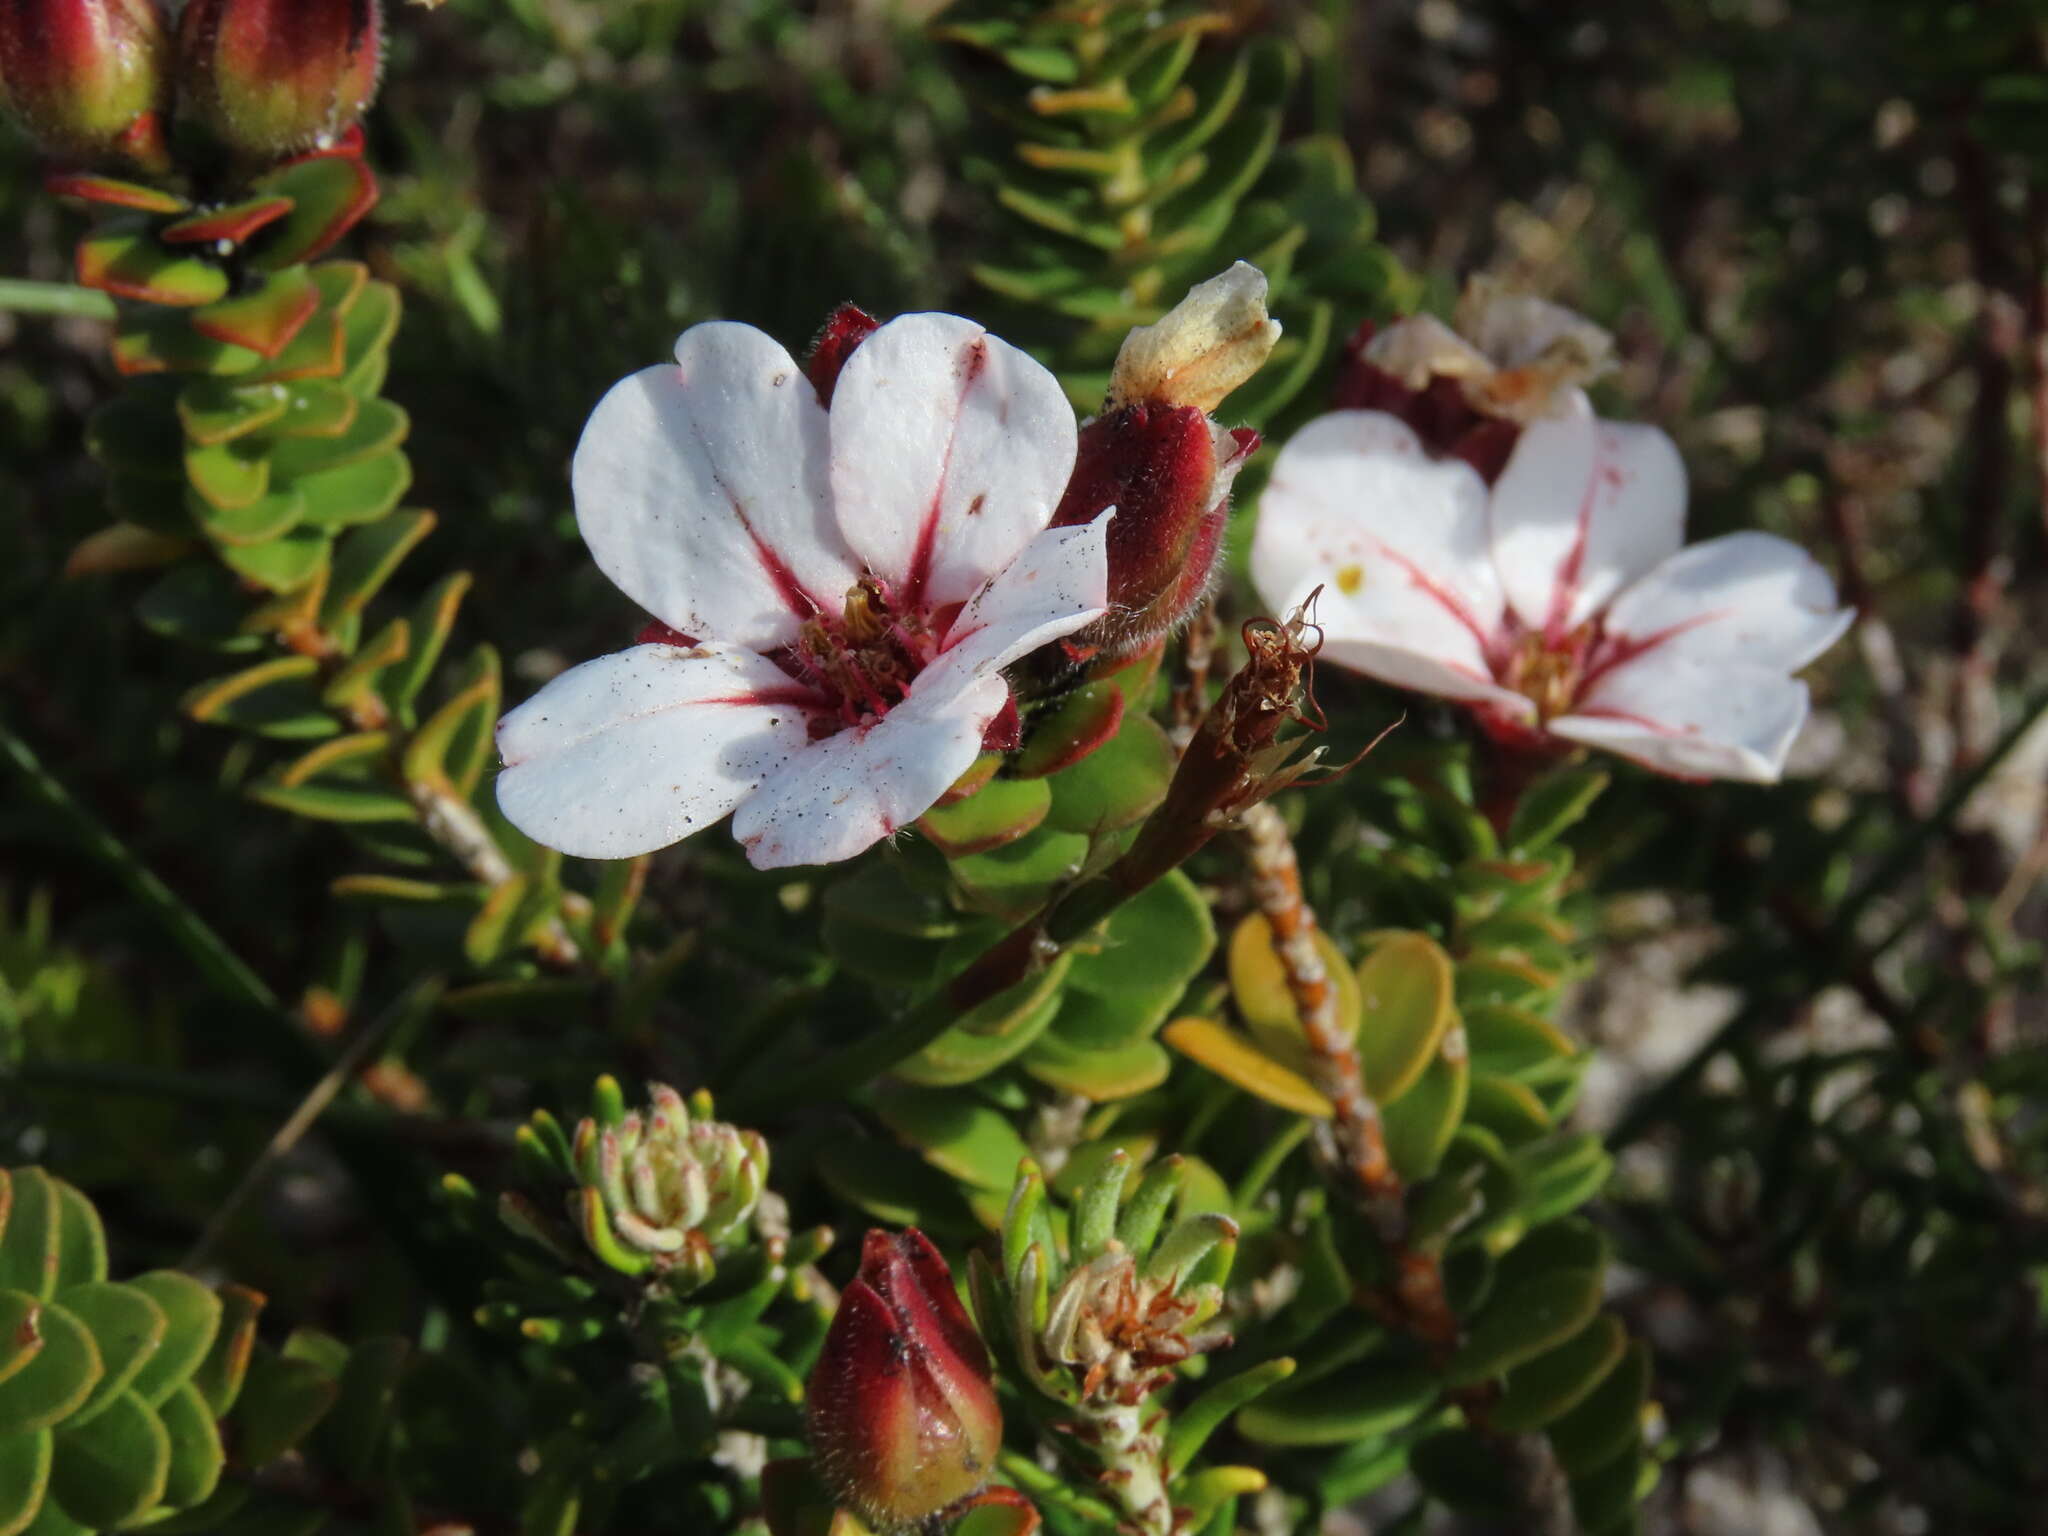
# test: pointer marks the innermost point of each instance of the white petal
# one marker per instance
(702, 491)
(950, 450)
(637, 750)
(849, 791)
(1424, 674)
(1059, 584)
(1396, 541)
(1582, 509)
(1695, 719)
(1746, 597)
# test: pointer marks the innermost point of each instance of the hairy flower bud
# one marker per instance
(902, 1415)
(665, 1184)
(269, 78)
(1167, 469)
(87, 77)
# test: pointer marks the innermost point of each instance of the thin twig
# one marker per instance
(310, 1108)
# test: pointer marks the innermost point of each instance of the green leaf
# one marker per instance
(957, 1134)
(1509, 1109)
(284, 564)
(1342, 1408)
(1059, 737)
(365, 559)
(200, 604)
(329, 193)
(1552, 806)
(328, 802)
(58, 1377)
(964, 1055)
(113, 1469)
(1193, 1424)
(1604, 1501)
(357, 493)
(193, 1315)
(265, 320)
(273, 698)
(1097, 1074)
(1012, 881)
(315, 408)
(130, 264)
(196, 1454)
(1419, 1126)
(1115, 786)
(1547, 1387)
(21, 1340)
(1088, 1021)
(30, 1225)
(373, 429)
(219, 1376)
(158, 341)
(1158, 940)
(1404, 994)
(127, 1328)
(1525, 1321)
(215, 411)
(251, 524)
(1000, 812)
(281, 1401)
(1609, 1420)
(81, 1240)
(1234, 1058)
(353, 1432)
(24, 1479)
(1462, 1470)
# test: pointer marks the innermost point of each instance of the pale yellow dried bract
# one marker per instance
(1201, 349)
(1517, 356)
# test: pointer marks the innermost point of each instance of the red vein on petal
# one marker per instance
(1619, 650)
(1430, 587)
(928, 534)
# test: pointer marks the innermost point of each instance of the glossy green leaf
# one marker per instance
(21, 1339)
(1609, 1420)
(193, 1315)
(1000, 812)
(361, 1419)
(355, 493)
(1076, 725)
(315, 408)
(264, 320)
(329, 194)
(252, 524)
(113, 1469)
(24, 1478)
(365, 558)
(30, 1239)
(1237, 1060)
(958, 1134)
(1404, 994)
(219, 1376)
(130, 264)
(330, 802)
(199, 604)
(1115, 786)
(1509, 1109)
(374, 428)
(1158, 940)
(155, 341)
(1193, 1424)
(1371, 1398)
(280, 1402)
(1419, 1126)
(196, 1454)
(81, 1240)
(1545, 1388)
(963, 1055)
(1089, 1021)
(1552, 806)
(1525, 1321)
(1462, 1470)
(283, 564)
(1097, 1074)
(127, 1328)
(1012, 881)
(215, 411)
(58, 1377)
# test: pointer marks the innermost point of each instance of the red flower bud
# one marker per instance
(269, 78)
(1167, 469)
(87, 77)
(902, 1416)
(849, 326)
(1440, 412)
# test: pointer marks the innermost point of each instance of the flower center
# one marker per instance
(1547, 670)
(866, 659)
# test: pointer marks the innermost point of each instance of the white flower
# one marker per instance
(1559, 601)
(851, 585)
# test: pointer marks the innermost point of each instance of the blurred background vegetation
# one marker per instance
(1819, 231)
